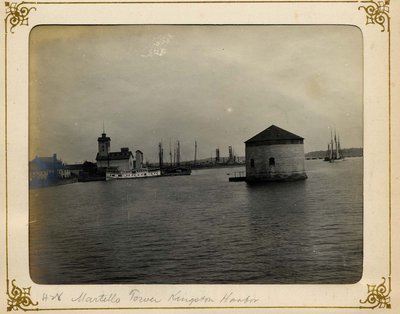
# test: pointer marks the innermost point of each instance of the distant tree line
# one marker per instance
(347, 152)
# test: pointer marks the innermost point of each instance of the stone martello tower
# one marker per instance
(275, 155)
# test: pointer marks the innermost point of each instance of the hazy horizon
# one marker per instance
(217, 85)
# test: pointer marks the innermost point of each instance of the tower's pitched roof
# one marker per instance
(44, 163)
(273, 133)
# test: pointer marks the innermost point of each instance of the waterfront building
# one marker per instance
(139, 160)
(122, 160)
(74, 169)
(87, 171)
(275, 155)
(45, 171)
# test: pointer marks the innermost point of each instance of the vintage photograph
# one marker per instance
(196, 154)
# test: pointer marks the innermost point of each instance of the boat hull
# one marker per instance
(180, 171)
(134, 174)
(334, 159)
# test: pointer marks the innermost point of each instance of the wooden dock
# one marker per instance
(238, 177)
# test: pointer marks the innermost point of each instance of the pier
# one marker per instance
(239, 176)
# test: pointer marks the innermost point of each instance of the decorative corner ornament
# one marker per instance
(378, 296)
(19, 298)
(17, 14)
(377, 13)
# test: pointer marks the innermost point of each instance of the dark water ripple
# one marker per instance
(201, 229)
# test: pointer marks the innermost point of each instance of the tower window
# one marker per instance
(252, 163)
(272, 161)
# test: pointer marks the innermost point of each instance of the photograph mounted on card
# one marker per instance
(166, 156)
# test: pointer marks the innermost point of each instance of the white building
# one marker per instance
(122, 160)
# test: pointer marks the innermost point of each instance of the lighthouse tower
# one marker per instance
(104, 145)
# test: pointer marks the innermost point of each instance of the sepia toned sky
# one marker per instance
(219, 85)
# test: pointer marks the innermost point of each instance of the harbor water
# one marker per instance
(201, 229)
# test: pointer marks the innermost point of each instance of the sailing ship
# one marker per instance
(174, 168)
(334, 152)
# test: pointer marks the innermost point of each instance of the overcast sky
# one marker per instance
(219, 85)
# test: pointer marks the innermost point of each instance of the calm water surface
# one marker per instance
(201, 229)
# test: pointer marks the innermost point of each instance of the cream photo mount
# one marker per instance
(375, 289)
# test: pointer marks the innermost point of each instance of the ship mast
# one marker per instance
(160, 154)
(170, 153)
(178, 153)
(174, 154)
(195, 152)
(336, 147)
